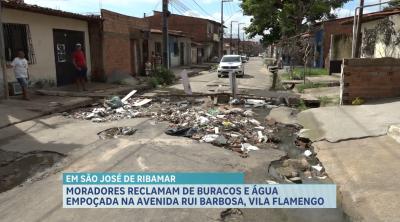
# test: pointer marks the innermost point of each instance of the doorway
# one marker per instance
(64, 46)
(182, 53)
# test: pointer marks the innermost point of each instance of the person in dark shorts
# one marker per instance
(20, 66)
(79, 61)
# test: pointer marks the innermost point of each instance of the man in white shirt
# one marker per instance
(20, 65)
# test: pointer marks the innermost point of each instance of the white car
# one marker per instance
(231, 63)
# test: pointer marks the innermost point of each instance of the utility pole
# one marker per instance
(230, 50)
(358, 39)
(3, 77)
(239, 37)
(166, 53)
(221, 50)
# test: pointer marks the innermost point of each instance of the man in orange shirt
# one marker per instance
(79, 61)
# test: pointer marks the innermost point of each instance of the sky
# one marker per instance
(210, 9)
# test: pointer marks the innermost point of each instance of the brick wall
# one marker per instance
(370, 79)
(195, 27)
(118, 34)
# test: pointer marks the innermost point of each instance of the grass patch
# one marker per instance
(298, 73)
(302, 106)
(301, 87)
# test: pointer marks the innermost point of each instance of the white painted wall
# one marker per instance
(175, 60)
(41, 27)
(381, 50)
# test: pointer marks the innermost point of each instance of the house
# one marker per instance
(179, 45)
(231, 46)
(205, 32)
(128, 43)
(373, 27)
(331, 40)
(48, 37)
(342, 43)
(124, 44)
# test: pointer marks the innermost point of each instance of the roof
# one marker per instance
(47, 11)
(212, 21)
(374, 16)
(170, 32)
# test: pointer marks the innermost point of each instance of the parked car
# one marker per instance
(231, 63)
(244, 59)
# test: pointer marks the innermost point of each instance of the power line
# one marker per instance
(202, 9)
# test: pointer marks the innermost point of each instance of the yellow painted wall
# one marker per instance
(41, 27)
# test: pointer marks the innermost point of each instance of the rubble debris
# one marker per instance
(224, 126)
(255, 103)
(128, 96)
(307, 153)
(318, 168)
(142, 103)
(116, 132)
(248, 147)
(209, 138)
(114, 103)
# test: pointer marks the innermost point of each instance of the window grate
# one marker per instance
(18, 37)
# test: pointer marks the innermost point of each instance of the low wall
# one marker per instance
(370, 79)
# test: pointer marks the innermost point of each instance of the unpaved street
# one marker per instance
(150, 150)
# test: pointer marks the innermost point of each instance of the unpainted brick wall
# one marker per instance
(118, 58)
(370, 79)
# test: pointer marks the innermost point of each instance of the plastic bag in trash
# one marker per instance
(115, 102)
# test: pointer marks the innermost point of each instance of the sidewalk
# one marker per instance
(16, 110)
(54, 100)
(352, 144)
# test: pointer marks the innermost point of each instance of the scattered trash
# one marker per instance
(271, 182)
(209, 138)
(114, 103)
(142, 103)
(222, 125)
(307, 153)
(318, 167)
(246, 147)
(128, 96)
(254, 122)
(249, 113)
(116, 132)
(256, 103)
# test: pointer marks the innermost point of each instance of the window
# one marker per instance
(176, 49)
(158, 48)
(17, 37)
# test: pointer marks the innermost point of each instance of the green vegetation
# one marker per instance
(161, 76)
(286, 18)
(298, 73)
(301, 87)
(302, 106)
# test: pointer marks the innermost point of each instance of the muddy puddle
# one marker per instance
(16, 168)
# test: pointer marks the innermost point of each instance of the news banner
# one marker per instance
(188, 190)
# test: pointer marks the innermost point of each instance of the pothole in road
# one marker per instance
(16, 168)
(116, 132)
(301, 164)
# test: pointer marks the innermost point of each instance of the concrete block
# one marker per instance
(394, 132)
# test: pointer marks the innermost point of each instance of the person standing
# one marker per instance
(79, 61)
(20, 65)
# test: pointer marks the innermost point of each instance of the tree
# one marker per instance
(274, 19)
(393, 4)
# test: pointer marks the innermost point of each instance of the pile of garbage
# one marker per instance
(233, 127)
(225, 126)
